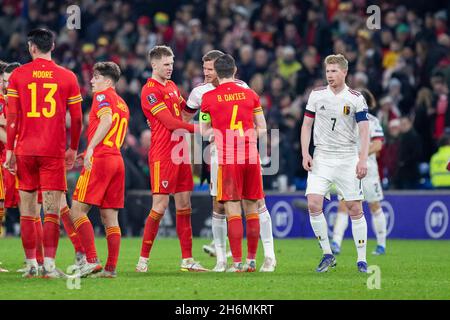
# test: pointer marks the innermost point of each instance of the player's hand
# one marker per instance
(88, 159)
(70, 158)
(10, 162)
(149, 124)
(307, 163)
(79, 160)
(361, 169)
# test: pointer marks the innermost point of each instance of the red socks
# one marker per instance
(51, 234)
(28, 235)
(252, 220)
(235, 235)
(150, 232)
(70, 230)
(184, 232)
(113, 239)
(39, 241)
(85, 232)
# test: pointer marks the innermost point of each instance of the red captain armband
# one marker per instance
(310, 114)
(448, 166)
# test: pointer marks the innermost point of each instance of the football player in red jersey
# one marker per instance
(2, 147)
(102, 180)
(170, 171)
(234, 112)
(39, 94)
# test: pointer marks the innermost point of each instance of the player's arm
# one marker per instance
(2, 135)
(206, 129)
(375, 146)
(261, 129)
(171, 123)
(305, 135)
(363, 125)
(76, 122)
(102, 130)
(11, 122)
(191, 106)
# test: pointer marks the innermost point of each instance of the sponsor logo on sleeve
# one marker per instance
(104, 104)
(152, 99)
(100, 97)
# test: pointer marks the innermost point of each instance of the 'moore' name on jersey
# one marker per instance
(336, 117)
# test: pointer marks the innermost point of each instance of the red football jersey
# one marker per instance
(156, 97)
(104, 102)
(232, 109)
(44, 91)
(2, 112)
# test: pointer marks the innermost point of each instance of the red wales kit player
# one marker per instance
(102, 181)
(234, 112)
(39, 94)
(170, 171)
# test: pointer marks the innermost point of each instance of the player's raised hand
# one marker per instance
(307, 162)
(88, 159)
(361, 169)
(10, 162)
(70, 158)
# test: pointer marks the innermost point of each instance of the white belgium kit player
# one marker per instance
(373, 192)
(339, 115)
(219, 222)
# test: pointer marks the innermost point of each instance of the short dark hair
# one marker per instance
(3, 65)
(11, 66)
(370, 99)
(212, 55)
(108, 69)
(160, 51)
(225, 66)
(42, 38)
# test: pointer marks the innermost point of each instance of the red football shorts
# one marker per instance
(167, 177)
(46, 173)
(239, 181)
(104, 184)
(9, 189)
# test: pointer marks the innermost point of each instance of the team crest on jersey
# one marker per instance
(346, 110)
(100, 97)
(165, 183)
(166, 96)
(152, 99)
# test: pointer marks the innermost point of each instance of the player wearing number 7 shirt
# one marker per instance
(102, 180)
(39, 94)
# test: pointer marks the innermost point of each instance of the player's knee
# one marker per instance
(374, 207)
(314, 207)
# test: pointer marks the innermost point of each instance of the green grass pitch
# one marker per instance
(410, 270)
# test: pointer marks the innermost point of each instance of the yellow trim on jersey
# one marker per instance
(2, 186)
(51, 219)
(74, 99)
(103, 111)
(159, 107)
(258, 110)
(219, 183)
(12, 93)
(156, 169)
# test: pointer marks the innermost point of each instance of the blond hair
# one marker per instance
(338, 59)
(160, 51)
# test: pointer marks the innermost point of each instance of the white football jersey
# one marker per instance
(335, 126)
(195, 98)
(376, 132)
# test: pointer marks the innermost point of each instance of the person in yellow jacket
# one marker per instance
(440, 164)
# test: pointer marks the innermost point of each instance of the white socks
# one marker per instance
(49, 264)
(219, 231)
(320, 227)
(143, 261)
(340, 226)
(265, 232)
(379, 226)
(359, 230)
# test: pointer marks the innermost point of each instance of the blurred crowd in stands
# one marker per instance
(279, 47)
